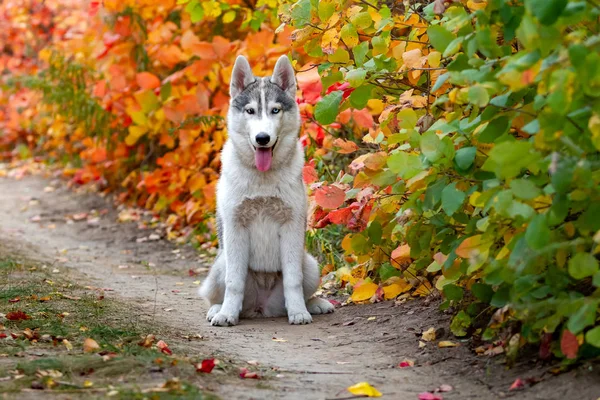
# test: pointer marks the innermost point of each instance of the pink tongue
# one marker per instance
(263, 159)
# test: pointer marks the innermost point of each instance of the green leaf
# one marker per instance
(507, 159)
(482, 291)
(430, 146)
(524, 189)
(361, 96)
(596, 280)
(460, 323)
(593, 337)
(478, 95)
(356, 77)
(375, 232)
(407, 118)
(328, 107)
(349, 35)
(453, 292)
(404, 164)
(301, 13)
(583, 317)
(360, 52)
(452, 199)
(465, 157)
(494, 129)
(538, 234)
(362, 20)
(440, 81)
(439, 37)
(196, 11)
(165, 91)
(546, 11)
(386, 271)
(325, 9)
(147, 100)
(582, 265)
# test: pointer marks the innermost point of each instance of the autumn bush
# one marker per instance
(450, 145)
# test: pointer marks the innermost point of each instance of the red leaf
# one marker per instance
(330, 197)
(340, 216)
(191, 272)
(164, 347)
(245, 374)
(569, 345)
(517, 384)
(17, 316)
(309, 174)
(206, 366)
(15, 300)
(430, 396)
(2, 335)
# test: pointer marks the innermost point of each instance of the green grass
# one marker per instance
(128, 369)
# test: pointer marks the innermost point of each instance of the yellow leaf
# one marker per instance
(330, 41)
(363, 291)
(434, 59)
(424, 289)
(475, 5)
(395, 289)
(412, 58)
(363, 388)
(447, 343)
(401, 255)
(229, 16)
(135, 132)
(67, 344)
(429, 335)
(88, 383)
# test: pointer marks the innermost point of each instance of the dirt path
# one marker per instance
(316, 361)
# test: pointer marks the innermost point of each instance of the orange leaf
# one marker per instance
(363, 118)
(364, 291)
(401, 255)
(470, 245)
(90, 345)
(340, 216)
(147, 80)
(309, 174)
(330, 197)
(346, 146)
(569, 345)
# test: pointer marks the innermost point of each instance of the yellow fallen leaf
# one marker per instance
(395, 289)
(363, 388)
(429, 335)
(423, 290)
(421, 344)
(371, 318)
(363, 291)
(90, 345)
(447, 343)
(88, 384)
(279, 340)
(67, 344)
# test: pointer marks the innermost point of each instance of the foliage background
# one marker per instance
(450, 145)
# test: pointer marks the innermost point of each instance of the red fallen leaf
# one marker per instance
(517, 384)
(330, 197)
(245, 374)
(191, 272)
(17, 316)
(163, 347)
(335, 303)
(430, 396)
(15, 300)
(3, 335)
(406, 364)
(206, 366)
(569, 345)
(545, 352)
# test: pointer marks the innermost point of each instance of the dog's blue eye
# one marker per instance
(275, 111)
(250, 111)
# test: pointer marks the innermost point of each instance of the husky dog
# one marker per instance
(262, 268)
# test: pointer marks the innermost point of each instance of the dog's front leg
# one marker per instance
(237, 250)
(292, 257)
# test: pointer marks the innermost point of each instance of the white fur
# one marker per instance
(262, 268)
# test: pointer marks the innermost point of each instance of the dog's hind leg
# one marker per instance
(213, 287)
(310, 270)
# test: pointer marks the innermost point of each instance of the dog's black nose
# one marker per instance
(262, 138)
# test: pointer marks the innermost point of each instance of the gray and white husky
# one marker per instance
(262, 268)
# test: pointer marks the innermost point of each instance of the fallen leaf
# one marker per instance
(421, 344)
(447, 343)
(206, 366)
(429, 335)
(163, 347)
(406, 364)
(364, 291)
(430, 396)
(90, 346)
(147, 341)
(245, 374)
(252, 362)
(279, 340)
(67, 344)
(444, 388)
(363, 388)
(15, 300)
(517, 384)
(17, 316)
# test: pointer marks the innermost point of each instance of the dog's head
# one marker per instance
(263, 120)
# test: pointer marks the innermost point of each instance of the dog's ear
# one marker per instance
(283, 76)
(241, 76)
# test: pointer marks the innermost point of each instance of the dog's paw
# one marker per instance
(212, 311)
(300, 318)
(223, 319)
(319, 306)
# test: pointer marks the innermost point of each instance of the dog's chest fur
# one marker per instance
(269, 207)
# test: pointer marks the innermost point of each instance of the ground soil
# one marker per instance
(317, 361)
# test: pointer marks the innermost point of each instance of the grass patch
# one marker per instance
(44, 349)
